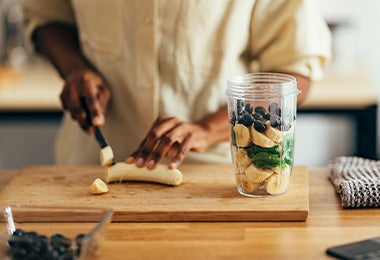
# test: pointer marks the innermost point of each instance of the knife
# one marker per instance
(106, 150)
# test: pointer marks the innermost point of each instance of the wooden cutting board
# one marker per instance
(208, 193)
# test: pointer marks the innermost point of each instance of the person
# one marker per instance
(153, 73)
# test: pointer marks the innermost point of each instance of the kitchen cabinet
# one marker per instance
(27, 138)
(352, 97)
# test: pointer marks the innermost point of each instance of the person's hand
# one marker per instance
(85, 88)
(171, 138)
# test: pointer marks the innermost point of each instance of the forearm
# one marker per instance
(60, 44)
(217, 126)
(303, 84)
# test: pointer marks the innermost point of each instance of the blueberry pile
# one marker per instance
(249, 116)
(31, 245)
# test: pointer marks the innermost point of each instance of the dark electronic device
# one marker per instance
(364, 249)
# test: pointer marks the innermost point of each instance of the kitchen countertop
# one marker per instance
(36, 86)
(327, 225)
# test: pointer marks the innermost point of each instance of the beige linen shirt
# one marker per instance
(173, 58)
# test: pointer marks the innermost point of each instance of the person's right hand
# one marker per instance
(86, 87)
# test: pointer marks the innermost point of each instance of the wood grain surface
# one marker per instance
(208, 193)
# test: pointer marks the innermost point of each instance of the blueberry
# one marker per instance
(258, 117)
(278, 111)
(266, 116)
(249, 108)
(58, 241)
(260, 110)
(260, 126)
(233, 118)
(275, 121)
(18, 232)
(246, 120)
(239, 105)
(30, 234)
(19, 253)
(273, 106)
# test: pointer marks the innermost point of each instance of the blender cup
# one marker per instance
(262, 113)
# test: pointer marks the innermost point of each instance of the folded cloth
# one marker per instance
(356, 180)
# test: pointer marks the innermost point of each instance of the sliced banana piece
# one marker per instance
(261, 139)
(130, 172)
(242, 159)
(277, 183)
(257, 175)
(273, 133)
(243, 137)
(247, 185)
(98, 187)
(106, 156)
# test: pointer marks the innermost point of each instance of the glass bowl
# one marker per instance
(52, 232)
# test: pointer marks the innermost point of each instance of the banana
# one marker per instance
(106, 156)
(243, 137)
(98, 187)
(283, 171)
(242, 159)
(130, 172)
(261, 139)
(277, 183)
(247, 185)
(257, 175)
(273, 133)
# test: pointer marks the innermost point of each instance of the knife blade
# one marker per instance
(97, 132)
(100, 138)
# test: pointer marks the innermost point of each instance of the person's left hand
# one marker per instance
(171, 138)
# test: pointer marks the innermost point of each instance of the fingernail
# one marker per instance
(150, 164)
(97, 120)
(173, 165)
(130, 159)
(140, 162)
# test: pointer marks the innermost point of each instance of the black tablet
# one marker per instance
(365, 249)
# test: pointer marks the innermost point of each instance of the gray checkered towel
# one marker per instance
(357, 181)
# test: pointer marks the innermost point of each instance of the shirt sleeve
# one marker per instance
(40, 12)
(290, 36)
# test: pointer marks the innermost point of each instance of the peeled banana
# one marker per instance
(243, 137)
(106, 156)
(273, 133)
(261, 139)
(130, 172)
(247, 185)
(242, 159)
(98, 187)
(277, 183)
(257, 175)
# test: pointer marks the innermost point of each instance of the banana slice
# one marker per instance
(243, 137)
(98, 187)
(130, 172)
(106, 156)
(273, 133)
(261, 139)
(283, 171)
(242, 159)
(257, 175)
(277, 183)
(247, 185)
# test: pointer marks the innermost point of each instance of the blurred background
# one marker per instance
(339, 118)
